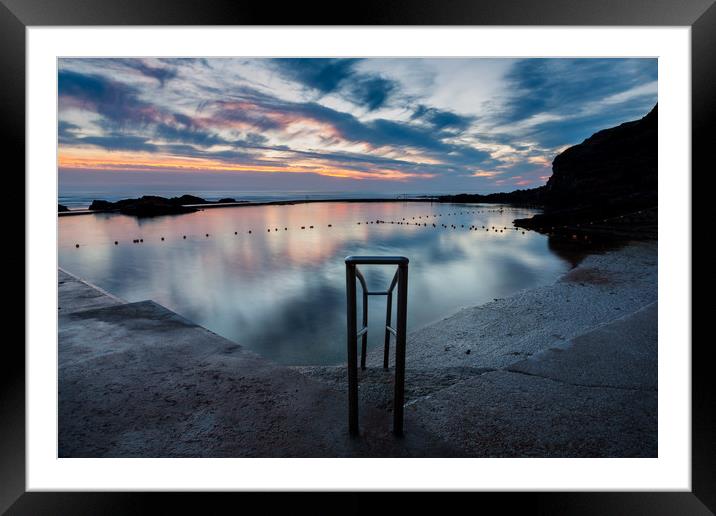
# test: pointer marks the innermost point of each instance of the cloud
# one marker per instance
(339, 76)
(113, 100)
(345, 117)
(441, 119)
(559, 85)
(118, 142)
(556, 102)
(161, 74)
(371, 91)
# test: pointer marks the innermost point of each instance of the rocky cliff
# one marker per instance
(614, 167)
(610, 179)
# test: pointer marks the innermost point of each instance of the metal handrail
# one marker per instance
(400, 279)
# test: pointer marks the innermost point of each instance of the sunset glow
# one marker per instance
(364, 124)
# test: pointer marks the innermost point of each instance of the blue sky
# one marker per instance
(378, 124)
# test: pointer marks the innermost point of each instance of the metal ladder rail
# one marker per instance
(363, 332)
(400, 279)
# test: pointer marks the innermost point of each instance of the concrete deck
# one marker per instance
(137, 380)
(595, 396)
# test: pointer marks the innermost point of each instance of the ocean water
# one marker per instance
(81, 198)
(280, 290)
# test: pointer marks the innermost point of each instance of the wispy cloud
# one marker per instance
(354, 119)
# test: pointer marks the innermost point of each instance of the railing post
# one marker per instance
(388, 320)
(400, 340)
(400, 279)
(352, 351)
(364, 338)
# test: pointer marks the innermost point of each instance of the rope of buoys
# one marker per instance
(434, 215)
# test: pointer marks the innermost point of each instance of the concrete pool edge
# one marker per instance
(138, 380)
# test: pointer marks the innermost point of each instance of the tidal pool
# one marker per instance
(280, 290)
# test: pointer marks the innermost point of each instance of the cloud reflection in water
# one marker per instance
(281, 292)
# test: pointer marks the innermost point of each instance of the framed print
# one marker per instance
(419, 249)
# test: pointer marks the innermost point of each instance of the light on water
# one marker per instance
(282, 293)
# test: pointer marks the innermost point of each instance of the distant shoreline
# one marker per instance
(239, 204)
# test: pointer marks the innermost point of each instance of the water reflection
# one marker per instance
(281, 292)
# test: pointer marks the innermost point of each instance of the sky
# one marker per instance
(392, 125)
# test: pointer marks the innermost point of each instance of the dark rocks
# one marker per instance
(147, 206)
(530, 196)
(152, 205)
(100, 205)
(605, 185)
(612, 167)
(188, 199)
(62, 207)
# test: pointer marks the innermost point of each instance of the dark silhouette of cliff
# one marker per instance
(607, 181)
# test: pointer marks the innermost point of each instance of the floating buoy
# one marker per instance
(236, 232)
(185, 235)
(77, 246)
(249, 231)
(285, 229)
(162, 239)
(310, 227)
(116, 243)
(330, 225)
(269, 230)
(141, 240)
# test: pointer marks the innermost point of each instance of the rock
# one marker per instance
(187, 199)
(529, 196)
(613, 166)
(607, 181)
(61, 208)
(100, 205)
(227, 199)
(146, 206)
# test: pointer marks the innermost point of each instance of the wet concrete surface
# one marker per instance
(137, 380)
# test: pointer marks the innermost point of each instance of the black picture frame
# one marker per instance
(17, 15)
